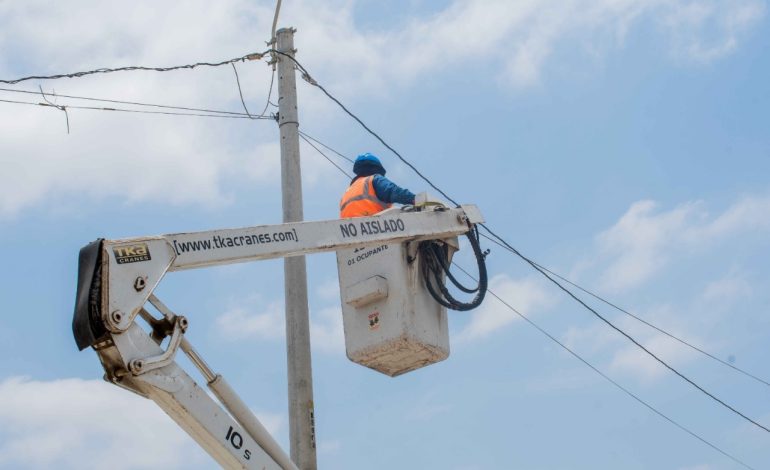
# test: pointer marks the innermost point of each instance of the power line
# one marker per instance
(132, 103)
(324, 155)
(641, 320)
(576, 355)
(616, 328)
(306, 76)
(326, 146)
(608, 378)
(240, 93)
(138, 111)
(269, 95)
(252, 56)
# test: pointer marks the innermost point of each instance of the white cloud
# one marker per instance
(644, 239)
(727, 289)
(637, 363)
(139, 158)
(526, 295)
(72, 423)
(240, 323)
(698, 321)
(707, 30)
(326, 329)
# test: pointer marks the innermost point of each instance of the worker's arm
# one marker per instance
(388, 191)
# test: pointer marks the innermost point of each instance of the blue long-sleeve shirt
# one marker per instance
(388, 191)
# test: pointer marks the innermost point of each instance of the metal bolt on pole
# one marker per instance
(301, 413)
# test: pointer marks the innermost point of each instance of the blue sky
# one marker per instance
(621, 143)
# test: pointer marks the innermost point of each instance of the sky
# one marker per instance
(623, 144)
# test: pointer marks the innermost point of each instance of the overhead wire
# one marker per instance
(591, 366)
(240, 92)
(303, 137)
(326, 146)
(132, 103)
(251, 56)
(308, 78)
(640, 319)
(628, 336)
(138, 111)
(57, 106)
(269, 103)
(608, 378)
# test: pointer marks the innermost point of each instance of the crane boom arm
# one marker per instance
(116, 279)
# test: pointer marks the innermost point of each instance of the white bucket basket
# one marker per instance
(391, 322)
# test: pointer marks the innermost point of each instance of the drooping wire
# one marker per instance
(59, 107)
(132, 103)
(240, 92)
(606, 377)
(252, 56)
(269, 95)
(638, 318)
(306, 76)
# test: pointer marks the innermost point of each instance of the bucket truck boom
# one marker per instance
(117, 279)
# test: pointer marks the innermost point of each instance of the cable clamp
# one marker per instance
(309, 79)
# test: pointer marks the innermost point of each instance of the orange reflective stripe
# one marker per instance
(360, 199)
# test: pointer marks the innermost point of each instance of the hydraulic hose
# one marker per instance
(434, 259)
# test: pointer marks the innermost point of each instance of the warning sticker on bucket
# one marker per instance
(374, 321)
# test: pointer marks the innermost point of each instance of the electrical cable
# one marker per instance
(434, 259)
(641, 320)
(628, 336)
(608, 378)
(240, 92)
(138, 111)
(325, 156)
(133, 103)
(588, 364)
(269, 94)
(306, 76)
(326, 146)
(59, 107)
(252, 56)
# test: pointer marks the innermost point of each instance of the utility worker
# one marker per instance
(370, 192)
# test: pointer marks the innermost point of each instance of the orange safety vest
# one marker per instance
(361, 200)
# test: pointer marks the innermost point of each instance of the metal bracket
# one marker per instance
(141, 366)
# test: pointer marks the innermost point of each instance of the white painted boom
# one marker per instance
(117, 278)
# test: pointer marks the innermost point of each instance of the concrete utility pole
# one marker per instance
(301, 413)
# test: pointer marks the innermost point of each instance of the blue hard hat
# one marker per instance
(367, 164)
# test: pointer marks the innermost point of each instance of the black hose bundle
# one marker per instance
(434, 259)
